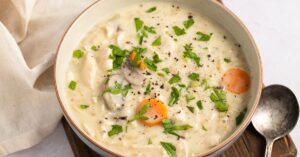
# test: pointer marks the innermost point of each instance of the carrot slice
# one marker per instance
(155, 113)
(236, 80)
(140, 63)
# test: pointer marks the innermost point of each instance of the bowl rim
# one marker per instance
(215, 149)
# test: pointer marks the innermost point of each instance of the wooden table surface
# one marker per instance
(250, 144)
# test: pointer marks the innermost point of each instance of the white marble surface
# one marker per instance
(275, 26)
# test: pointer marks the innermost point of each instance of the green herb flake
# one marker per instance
(95, 48)
(149, 141)
(218, 96)
(148, 89)
(118, 55)
(169, 148)
(188, 23)
(161, 74)
(179, 31)
(205, 84)
(174, 96)
(194, 76)
(227, 60)
(150, 29)
(138, 24)
(189, 98)
(118, 89)
(204, 37)
(170, 128)
(150, 10)
(116, 129)
(166, 70)
(191, 109)
(140, 114)
(239, 119)
(175, 79)
(157, 42)
(204, 128)
(188, 53)
(72, 85)
(150, 64)
(84, 106)
(78, 54)
(199, 105)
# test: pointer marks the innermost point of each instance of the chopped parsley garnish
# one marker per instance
(205, 84)
(140, 114)
(199, 105)
(170, 128)
(138, 24)
(150, 29)
(149, 141)
(78, 54)
(188, 53)
(227, 60)
(218, 96)
(156, 58)
(137, 53)
(72, 85)
(175, 79)
(161, 74)
(157, 42)
(191, 109)
(150, 64)
(179, 31)
(118, 55)
(116, 129)
(169, 148)
(203, 36)
(174, 96)
(84, 106)
(94, 48)
(166, 70)
(118, 89)
(188, 23)
(239, 119)
(189, 98)
(204, 128)
(194, 76)
(148, 89)
(141, 37)
(150, 10)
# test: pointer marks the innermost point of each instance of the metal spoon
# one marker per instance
(276, 114)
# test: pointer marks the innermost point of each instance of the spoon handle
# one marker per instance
(268, 151)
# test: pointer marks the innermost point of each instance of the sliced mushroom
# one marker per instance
(133, 75)
(112, 101)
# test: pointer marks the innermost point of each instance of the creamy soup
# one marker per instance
(157, 79)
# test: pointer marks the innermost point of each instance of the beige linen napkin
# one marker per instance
(30, 31)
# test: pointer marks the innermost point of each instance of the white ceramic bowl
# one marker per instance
(102, 9)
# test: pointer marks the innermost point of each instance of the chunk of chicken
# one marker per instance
(89, 71)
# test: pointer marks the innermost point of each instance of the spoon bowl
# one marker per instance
(276, 115)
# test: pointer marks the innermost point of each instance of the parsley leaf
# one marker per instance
(118, 89)
(188, 23)
(179, 31)
(95, 48)
(138, 23)
(227, 60)
(150, 10)
(194, 76)
(174, 96)
(166, 70)
(175, 79)
(84, 106)
(118, 55)
(239, 119)
(116, 129)
(78, 54)
(199, 105)
(170, 128)
(149, 141)
(150, 64)
(170, 149)
(205, 84)
(150, 29)
(219, 98)
(203, 36)
(157, 42)
(188, 53)
(189, 98)
(148, 89)
(191, 109)
(72, 85)
(140, 114)
(156, 58)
